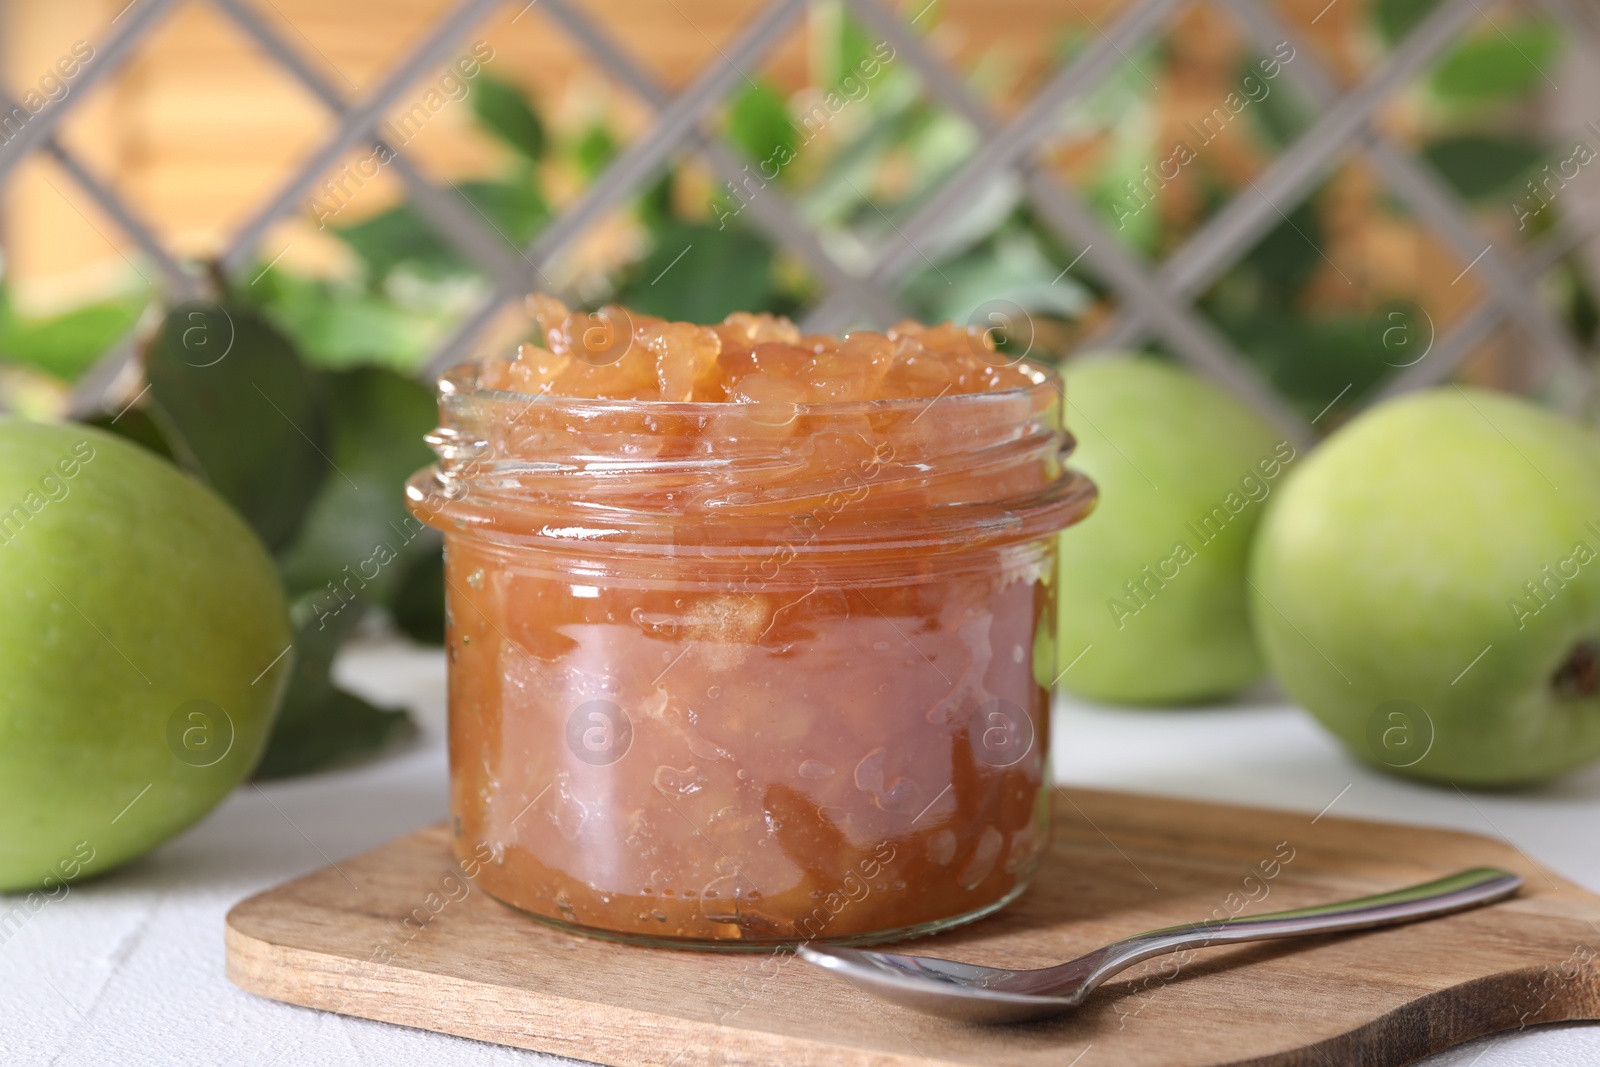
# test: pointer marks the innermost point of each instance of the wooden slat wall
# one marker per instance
(200, 127)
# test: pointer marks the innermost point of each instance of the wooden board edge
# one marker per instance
(1442, 1020)
(369, 990)
(1446, 1019)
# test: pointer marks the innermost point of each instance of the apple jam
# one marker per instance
(750, 633)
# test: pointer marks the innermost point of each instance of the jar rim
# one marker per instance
(989, 470)
(462, 380)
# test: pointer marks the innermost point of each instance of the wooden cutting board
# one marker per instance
(399, 935)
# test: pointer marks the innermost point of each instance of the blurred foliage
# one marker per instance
(66, 345)
(703, 273)
(1396, 18)
(320, 725)
(759, 124)
(315, 460)
(504, 111)
(399, 237)
(311, 420)
(1475, 138)
(254, 426)
(1490, 68)
(1479, 166)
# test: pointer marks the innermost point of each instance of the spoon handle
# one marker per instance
(1457, 892)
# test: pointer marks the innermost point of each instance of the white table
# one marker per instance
(129, 969)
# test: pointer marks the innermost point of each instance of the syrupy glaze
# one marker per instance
(745, 672)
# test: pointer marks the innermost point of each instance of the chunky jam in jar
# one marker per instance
(750, 633)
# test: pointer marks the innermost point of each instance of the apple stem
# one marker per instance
(1579, 673)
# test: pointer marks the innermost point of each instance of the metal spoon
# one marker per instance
(970, 993)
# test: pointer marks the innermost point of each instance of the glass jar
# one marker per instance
(748, 674)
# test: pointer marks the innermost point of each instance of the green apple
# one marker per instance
(1152, 598)
(1428, 586)
(141, 652)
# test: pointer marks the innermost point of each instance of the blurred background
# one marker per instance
(1314, 203)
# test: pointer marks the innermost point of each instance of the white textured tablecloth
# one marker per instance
(129, 969)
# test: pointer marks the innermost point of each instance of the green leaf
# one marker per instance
(1396, 18)
(1312, 361)
(1135, 213)
(358, 536)
(337, 326)
(758, 122)
(594, 149)
(1480, 166)
(320, 725)
(504, 111)
(358, 330)
(137, 426)
(702, 274)
(937, 145)
(240, 409)
(655, 204)
(66, 345)
(417, 607)
(1279, 117)
(515, 207)
(400, 235)
(1287, 258)
(1012, 268)
(1499, 66)
(1576, 292)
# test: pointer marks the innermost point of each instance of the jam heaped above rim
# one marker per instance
(615, 354)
